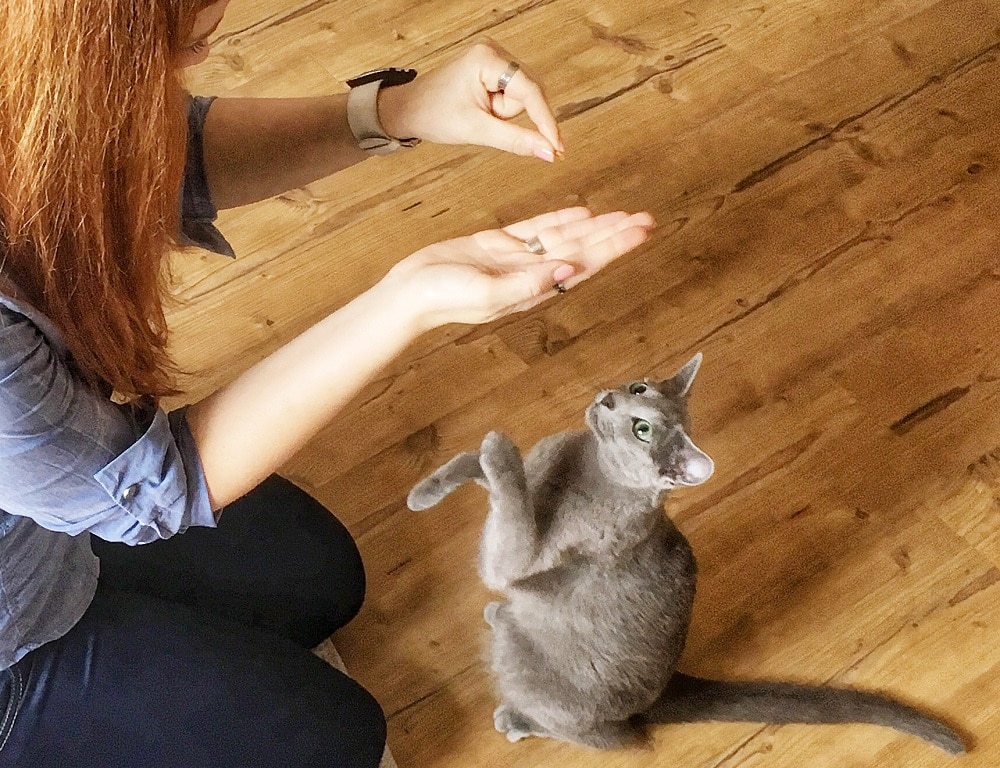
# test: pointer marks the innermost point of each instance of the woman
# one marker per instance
(193, 651)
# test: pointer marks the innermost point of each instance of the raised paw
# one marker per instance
(512, 723)
(491, 611)
(444, 480)
(499, 456)
(425, 494)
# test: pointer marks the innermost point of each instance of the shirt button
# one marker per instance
(129, 493)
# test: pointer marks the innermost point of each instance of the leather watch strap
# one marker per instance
(362, 116)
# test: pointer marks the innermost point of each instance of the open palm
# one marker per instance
(492, 273)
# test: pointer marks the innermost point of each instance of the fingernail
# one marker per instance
(563, 272)
(544, 153)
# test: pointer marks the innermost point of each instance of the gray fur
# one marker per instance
(600, 583)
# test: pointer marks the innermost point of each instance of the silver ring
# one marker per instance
(534, 245)
(560, 288)
(507, 75)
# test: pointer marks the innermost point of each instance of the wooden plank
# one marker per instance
(683, 316)
(827, 183)
(328, 272)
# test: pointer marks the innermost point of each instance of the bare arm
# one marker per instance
(249, 428)
(258, 148)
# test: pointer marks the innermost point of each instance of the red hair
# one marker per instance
(92, 147)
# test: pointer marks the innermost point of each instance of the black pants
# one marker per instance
(195, 653)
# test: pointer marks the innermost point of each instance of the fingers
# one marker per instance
(555, 235)
(579, 249)
(595, 249)
(519, 93)
(492, 132)
(576, 223)
(551, 231)
(572, 236)
(525, 95)
(611, 240)
(568, 230)
(493, 273)
(528, 228)
(526, 286)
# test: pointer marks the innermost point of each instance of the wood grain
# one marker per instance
(826, 180)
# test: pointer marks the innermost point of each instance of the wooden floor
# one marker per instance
(827, 181)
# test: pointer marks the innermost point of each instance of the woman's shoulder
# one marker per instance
(19, 336)
(23, 328)
(33, 370)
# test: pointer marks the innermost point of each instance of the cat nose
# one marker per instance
(608, 401)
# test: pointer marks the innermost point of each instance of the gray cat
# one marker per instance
(600, 583)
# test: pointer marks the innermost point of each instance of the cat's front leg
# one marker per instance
(514, 725)
(510, 537)
(493, 612)
(444, 480)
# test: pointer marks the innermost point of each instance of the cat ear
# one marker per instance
(696, 465)
(680, 382)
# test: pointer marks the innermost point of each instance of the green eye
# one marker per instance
(642, 429)
(637, 389)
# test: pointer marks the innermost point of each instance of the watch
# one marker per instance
(362, 110)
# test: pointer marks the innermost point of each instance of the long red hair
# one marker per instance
(92, 148)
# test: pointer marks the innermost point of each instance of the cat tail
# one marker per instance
(444, 480)
(689, 699)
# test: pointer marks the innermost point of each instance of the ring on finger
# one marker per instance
(534, 245)
(560, 287)
(507, 75)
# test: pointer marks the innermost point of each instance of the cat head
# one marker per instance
(641, 429)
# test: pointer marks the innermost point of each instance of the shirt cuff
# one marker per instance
(159, 481)
(198, 212)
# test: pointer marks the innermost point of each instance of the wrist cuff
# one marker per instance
(362, 116)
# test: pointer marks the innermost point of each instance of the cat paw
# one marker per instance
(491, 611)
(511, 723)
(425, 494)
(498, 455)
(443, 481)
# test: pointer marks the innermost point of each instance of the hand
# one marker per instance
(490, 274)
(460, 103)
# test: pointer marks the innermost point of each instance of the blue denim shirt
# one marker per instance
(73, 463)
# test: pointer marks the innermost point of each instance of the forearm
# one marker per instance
(250, 428)
(258, 148)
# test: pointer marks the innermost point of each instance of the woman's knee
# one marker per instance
(323, 566)
(348, 727)
(338, 580)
